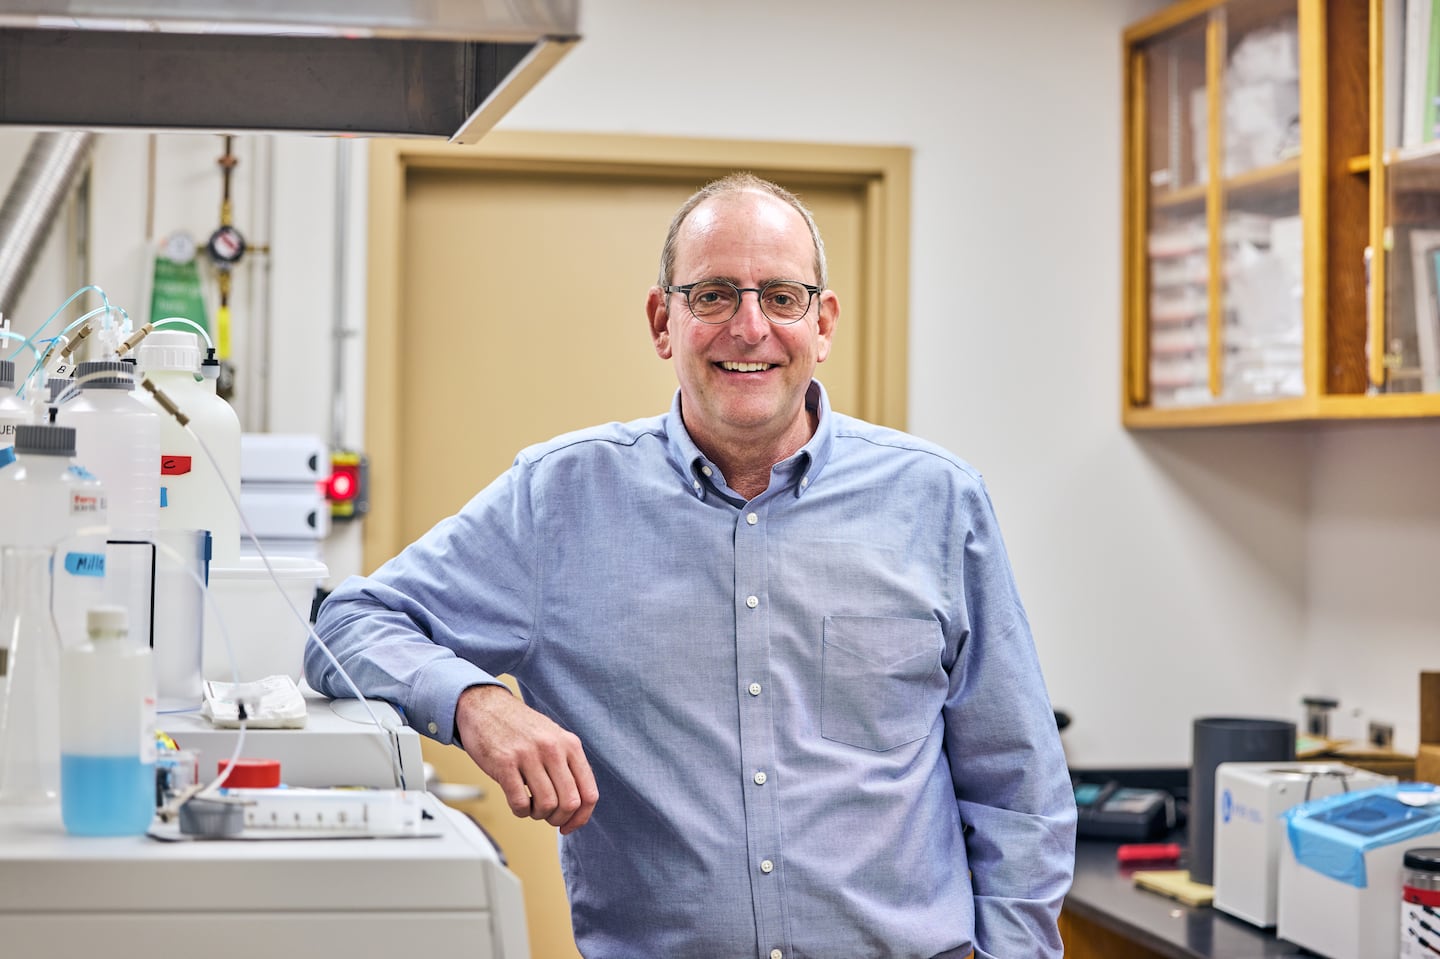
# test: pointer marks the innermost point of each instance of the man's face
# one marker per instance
(750, 239)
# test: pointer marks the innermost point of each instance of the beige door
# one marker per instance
(519, 292)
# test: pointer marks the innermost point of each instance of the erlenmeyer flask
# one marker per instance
(30, 716)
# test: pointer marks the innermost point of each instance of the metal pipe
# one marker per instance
(50, 170)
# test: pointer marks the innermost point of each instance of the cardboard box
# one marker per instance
(1427, 758)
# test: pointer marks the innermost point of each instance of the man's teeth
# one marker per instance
(744, 367)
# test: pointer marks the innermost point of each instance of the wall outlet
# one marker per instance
(1380, 735)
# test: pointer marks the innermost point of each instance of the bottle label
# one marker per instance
(1419, 920)
(85, 564)
(86, 504)
(174, 465)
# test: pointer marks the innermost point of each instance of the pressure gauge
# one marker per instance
(179, 247)
(226, 246)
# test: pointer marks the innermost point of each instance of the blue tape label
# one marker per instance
(85, 564)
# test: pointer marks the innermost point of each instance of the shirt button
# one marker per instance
(752, 519)
(752, 601)
(754, 689)
(707, 471)
(776, 954)
(696, 484)
(433, 728)
(804, 482)
(766, 866)
(760, 779)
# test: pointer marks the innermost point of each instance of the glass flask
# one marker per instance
(30, 707)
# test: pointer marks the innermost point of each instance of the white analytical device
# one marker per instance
(1249, 830)
(443, 892)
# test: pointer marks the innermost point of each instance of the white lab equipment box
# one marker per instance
(1340, 868)
(1249, 830)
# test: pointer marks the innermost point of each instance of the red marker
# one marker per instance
(1148, 852)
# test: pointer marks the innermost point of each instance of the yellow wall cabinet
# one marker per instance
(1261, 234)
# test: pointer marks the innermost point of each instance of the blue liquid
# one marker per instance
(106, 795)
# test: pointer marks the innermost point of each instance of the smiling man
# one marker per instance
(781, 697)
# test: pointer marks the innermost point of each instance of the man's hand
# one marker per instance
(541, 767)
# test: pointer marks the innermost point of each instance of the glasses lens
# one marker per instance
(784, 301)
(713, 301)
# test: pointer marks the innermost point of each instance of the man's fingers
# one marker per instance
(517, 796)
(542, 791)
(540, 767)
(587, 795)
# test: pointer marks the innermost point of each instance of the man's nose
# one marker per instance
(749, 321)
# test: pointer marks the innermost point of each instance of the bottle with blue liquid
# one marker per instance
(107, 730)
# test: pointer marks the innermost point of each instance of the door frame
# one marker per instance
(883, 173)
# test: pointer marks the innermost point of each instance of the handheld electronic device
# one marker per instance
(1112, 811)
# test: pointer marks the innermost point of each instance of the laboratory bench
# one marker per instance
(1107, 916)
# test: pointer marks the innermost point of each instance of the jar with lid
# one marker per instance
(1420, 903)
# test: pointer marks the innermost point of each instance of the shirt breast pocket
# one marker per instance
(882, 681)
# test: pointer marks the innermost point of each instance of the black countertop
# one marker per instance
(1108, 896)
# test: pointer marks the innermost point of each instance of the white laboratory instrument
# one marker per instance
(1249, 830)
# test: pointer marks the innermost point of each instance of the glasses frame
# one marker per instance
(740, 291)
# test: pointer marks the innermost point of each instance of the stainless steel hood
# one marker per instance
(422, 68)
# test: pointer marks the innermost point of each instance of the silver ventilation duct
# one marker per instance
(50, 170)
(426, 68)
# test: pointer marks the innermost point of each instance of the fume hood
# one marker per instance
(423, 68)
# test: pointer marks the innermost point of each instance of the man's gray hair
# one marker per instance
(738, 183)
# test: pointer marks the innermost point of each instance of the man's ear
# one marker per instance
(829, 316)
(658, 313)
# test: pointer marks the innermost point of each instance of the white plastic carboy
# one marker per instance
(14, 412)
(118, 439)
(193, 493)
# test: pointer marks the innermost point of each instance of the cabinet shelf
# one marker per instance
(1386, 406)
(1260, 180)
(1264, 179)
(1181, 199)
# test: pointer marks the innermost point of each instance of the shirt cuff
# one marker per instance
(436, 692)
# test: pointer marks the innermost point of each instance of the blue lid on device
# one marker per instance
(1332, 835)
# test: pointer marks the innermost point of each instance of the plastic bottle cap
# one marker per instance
(250, 773)
(106, 620)
(7, 374)
(169, 350)
(1426, 859)
(123, 378)
(45, 439)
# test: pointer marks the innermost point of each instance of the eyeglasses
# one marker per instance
(715, 301)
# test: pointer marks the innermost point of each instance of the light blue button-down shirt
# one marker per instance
(816, 718)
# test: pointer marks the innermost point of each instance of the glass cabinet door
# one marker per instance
(1224, 268)
(1176, 121)
(1262, 321)
(1408, 341)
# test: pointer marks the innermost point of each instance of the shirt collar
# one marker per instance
(798, 471)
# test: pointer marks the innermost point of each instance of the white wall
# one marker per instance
(1164, 574)
(1167, 574)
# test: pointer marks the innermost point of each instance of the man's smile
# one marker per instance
(734, 367)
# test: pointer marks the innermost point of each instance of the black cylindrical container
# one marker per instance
(1221, 739)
